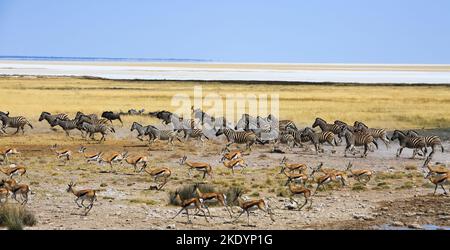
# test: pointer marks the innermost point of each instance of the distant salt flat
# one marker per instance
(340, 73)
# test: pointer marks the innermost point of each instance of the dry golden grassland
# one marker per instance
(379, 106)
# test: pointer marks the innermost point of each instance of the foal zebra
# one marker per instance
(239, 137)
(375, 132)
(51, 118)
(430, 141)
(356, 139)
(18, 122)
(409, 142)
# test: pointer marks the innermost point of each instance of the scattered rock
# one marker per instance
(171, 226)
(398, 224)
(415, 226)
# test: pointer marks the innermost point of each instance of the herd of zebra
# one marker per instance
(248, 130)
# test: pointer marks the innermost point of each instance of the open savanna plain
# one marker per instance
(397, 195)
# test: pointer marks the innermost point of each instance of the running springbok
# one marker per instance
(13, 170)
(188, 204)
(5, 152)
(85, 194)
(198, 166)
(221, 198)
(158, 173)
(251, 205)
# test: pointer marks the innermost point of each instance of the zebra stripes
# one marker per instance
(51, 118)
(92, 129)
(66, 125)
(239, 137)
(377, 133)
(324, 126)
(356, 139)
(18, 122)
(319, 138)
(163, 135)
(413, 142)
(432, 141)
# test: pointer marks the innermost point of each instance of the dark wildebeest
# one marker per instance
(164, 116)
(112, 116)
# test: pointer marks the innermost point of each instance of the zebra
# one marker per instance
(140, 129)
(91, 119)
(340, 123)
(18, 122)
(164, 135)
(66, 125)
(92, 129)
(377, 133)
(324, 126)
(409, 142)
(80, 114)
(194, 133)
(356, 139)
(213, 122)
(286, 138)
(283, 125)
(430, 141)
(247, 123)
(319, 138)
(51, 118)
(239, 137)
(299, 137)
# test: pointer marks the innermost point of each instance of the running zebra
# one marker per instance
(51, 118)
(195, 134)
(239, 137)
(213, 122)
(247, 123)
(319, 138)
(79, 114)
(140, 129)
(406, 141)
(67, 125)
(163, 135)
(430, 141)
(299, 137)
(377, 133)
(92, 129)
(340, 123)
(283, 125)
(91, 119)
(356, 139)
(324, 126)
(18, 122)
(286, 138)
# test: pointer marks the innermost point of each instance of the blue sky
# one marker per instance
(319, 31)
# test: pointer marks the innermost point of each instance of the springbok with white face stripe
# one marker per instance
(439, 181)
(85, 194)
(203, 167)
(230, 155)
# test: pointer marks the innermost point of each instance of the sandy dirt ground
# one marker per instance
(126, 202)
